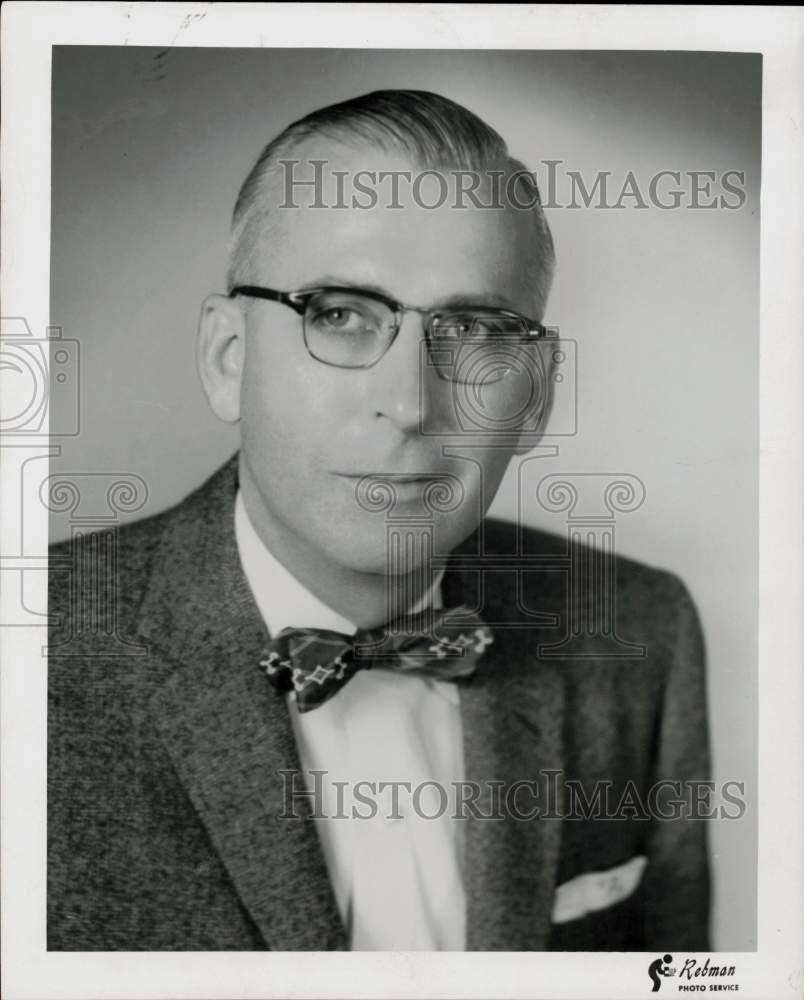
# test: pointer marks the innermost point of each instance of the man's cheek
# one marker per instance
(274, 414)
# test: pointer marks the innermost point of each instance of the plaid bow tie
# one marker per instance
(316, 664)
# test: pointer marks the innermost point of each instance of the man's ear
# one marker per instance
(538, 415)
(220, 355)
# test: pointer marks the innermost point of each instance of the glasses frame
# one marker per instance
(297, 300)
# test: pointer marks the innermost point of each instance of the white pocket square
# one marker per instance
(596, 890)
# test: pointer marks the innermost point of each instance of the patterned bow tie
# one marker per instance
(316, 664)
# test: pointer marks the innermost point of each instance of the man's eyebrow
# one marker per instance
(487, 300)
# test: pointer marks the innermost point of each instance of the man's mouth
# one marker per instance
(394, 477)
(376, 491)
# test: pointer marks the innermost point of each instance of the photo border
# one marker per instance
(28, 34)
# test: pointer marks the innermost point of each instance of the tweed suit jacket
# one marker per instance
(166, 743)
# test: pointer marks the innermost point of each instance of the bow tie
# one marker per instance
(316, 664)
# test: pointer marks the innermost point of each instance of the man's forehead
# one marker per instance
(358, 212)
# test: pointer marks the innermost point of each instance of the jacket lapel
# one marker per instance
(512, 714)
(227, 731)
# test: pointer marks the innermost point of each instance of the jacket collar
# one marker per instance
(230, 738)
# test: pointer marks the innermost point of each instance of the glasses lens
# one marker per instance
(478, 348)
(347, 329)
(478, 327)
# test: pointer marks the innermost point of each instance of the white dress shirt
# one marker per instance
(398, 881)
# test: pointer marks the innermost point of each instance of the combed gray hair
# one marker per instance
(437, 133)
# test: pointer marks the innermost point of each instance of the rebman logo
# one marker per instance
(660, 967)
(690, 975)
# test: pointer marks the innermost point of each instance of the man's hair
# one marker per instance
(435, 132)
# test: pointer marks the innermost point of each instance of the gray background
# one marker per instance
(150, 147)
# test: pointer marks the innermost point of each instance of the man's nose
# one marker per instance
(403, 384)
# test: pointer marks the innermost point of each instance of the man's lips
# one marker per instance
(380, 491)
(396, 477)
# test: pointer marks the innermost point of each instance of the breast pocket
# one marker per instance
(593, 891)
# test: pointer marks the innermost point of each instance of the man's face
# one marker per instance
(311, 431)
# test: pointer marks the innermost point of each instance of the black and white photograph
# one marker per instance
(386, 466)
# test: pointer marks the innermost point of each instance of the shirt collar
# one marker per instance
(283, 601)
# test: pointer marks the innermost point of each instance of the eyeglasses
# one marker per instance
(354, 328)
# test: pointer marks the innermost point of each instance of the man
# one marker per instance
(229, 788)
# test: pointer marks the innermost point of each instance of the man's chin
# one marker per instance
(387, 555)
(395, 548)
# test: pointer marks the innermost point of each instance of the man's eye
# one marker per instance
(342, 315)
(337, 317)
